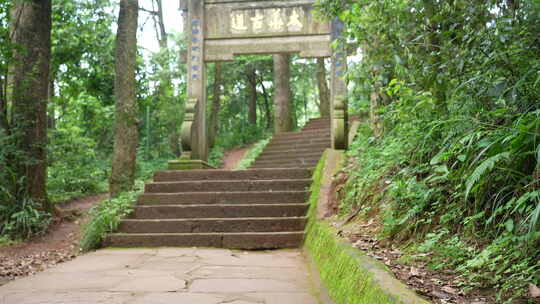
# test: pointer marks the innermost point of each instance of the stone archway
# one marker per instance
(218, 30)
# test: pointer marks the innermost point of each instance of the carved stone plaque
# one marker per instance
(265, 20)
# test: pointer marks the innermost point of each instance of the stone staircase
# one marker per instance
(297, 149)
(260, 208)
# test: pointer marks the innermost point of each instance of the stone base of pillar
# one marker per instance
(189, 164)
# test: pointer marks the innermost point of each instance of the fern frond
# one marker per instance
(486, 166)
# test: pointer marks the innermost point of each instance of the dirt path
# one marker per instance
(233, 157)
(60, 244)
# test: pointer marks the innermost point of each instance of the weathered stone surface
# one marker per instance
(163, 283)
(219, 210)
(262, 19)
(50, 297)
(282, 258)
(228, 185)
(236, 240)
(250, 272)
(306, 46)
(169, 275)
(216, 197)
(251, 174)
(270, 224)
(286, 298)
(190, 164)
(178, 297)
(242, 285)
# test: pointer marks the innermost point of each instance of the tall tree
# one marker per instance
(164, 93)
(251, 76)
(324, 92)
(160, 24)
(267, 105)
(213, 127)
(283, 121)
(125, 129)
(30, 87)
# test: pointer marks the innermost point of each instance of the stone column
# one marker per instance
(197, 78)
(339, 117)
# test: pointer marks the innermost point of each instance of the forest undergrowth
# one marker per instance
(450, 157)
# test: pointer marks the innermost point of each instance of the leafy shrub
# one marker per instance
(75, 168)
(215, 157)
(23, 219)
(106, 216)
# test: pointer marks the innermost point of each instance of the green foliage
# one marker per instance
(252, 154)
(215, 157)
(22, 219)
(20, 216)
(74, 166)
(456, 168)
(106, 216)
(6, 241)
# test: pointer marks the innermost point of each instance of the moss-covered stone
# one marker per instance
(350, 276)
(188, 164)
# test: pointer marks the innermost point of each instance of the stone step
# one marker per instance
(290, 156)
(307, 166)
(228, 197)
(258, 174)
(219, 210)
(318, 122)
(287, 150)
(228, 185)
(207, 225)
(245, 240)
(285, 165)
(294, 146)
(312, 128)
(302, 134)
(317, 125)
(289, 160)
(303, 140)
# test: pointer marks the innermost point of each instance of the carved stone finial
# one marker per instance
(185, 134)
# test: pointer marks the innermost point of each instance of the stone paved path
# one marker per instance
(170, 275)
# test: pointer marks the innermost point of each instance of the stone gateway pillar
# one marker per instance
(338, 110)
(218, 30)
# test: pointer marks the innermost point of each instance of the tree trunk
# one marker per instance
(374, 118)
(163, 41)
(4, 126)
(216, 105)
(324, 92)
(30, 87)
(125, 129)
(51, 122)
(252, 93)
(283, 121)
(267, 109)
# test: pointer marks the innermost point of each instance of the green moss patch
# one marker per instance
(350, 276)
